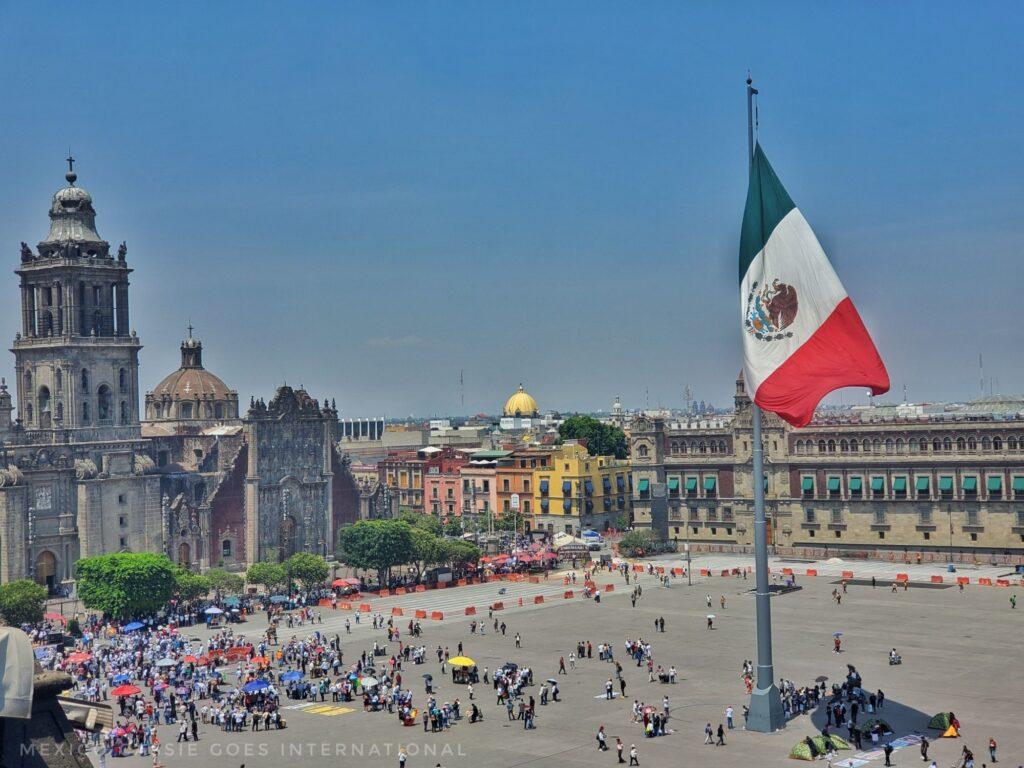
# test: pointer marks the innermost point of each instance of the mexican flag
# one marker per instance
(802, 336)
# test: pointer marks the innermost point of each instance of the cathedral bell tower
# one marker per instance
(76, 360)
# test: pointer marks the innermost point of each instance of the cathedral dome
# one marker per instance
(72, 217)
(520, 404)
(191, 392)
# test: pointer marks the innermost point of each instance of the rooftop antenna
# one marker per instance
(904, 394)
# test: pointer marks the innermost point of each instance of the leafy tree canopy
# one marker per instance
(21, 602)
(267, 575)
(635, 542)
(126, 584)
(422, 522)
(376, 544)
(308, 568)
(225, 581)
(189, 586)
(601, 439)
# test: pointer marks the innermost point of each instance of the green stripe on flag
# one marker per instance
(767, 204)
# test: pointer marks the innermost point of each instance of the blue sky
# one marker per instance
(367, 198)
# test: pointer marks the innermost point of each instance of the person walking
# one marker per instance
(609, 689)
(888, 753)
(721, 736)
(992, 749)
(709, 734)
(924, 749)
(519, 641)
(618, 749)
(728, 717)
(634, 757)
(1013, 601)
(561, 665)
(602, 745)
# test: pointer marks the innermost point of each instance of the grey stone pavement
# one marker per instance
(960, 650)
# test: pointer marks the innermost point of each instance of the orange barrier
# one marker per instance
(568, 593)
(535, 580)
(677, 571)
(499, 606)
(847, 574)
(396, 611)
(725, 572)
(902, 577)
(441, 585)
(936, 579)
(364, 607)
(812, 572)
(400, 591)
(787, 571)
(420, 588)
(660, 569)
(461, 582)
(538, 599)
(609, 587)
(345, 606)
(638, 568)
(963, 580)
(985, 582)
(1002, 582)
(421, 614)
(324, 603)
(437, 615)
(384, 593)
(471, 610)
(705, 572)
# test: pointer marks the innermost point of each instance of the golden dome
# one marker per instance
(521, 404)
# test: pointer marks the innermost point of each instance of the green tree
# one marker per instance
(270, 576)
(225, 582)
(21, 602)
(637, 542)
(601, 439)
(421, 521)
(126, 584)
(427, 550)
(376, 544)
(310, 569)
(453, 526)
(189, 586)
(462, 552)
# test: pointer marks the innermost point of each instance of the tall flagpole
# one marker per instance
(765, 713)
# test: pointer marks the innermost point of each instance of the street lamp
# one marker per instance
(31, 541)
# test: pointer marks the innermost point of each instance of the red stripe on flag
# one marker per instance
(839, 354)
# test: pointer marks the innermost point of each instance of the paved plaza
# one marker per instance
(960, 652)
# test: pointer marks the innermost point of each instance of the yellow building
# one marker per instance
(579, 491)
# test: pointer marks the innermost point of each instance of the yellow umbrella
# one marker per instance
(462, 661)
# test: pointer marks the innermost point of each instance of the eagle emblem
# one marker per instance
(771, 309)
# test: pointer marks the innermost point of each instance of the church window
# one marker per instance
(28, 413)
(85, 413)
(947, 444)
(225, 548)
(103, 403)
(972, 444)
(85, 381)
(28, 381)
(59, 379)
(122, 380)
(158, 410)
(60, 411)
(185, 410)
(46, 324)
(923, 443)
(986, 444)
(124, 412)
(218, 411)
(997, 443)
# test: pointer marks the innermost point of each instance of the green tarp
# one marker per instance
(940, 722)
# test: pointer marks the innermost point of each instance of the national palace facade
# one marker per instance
(938, 485)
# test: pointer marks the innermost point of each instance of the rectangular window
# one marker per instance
(878, 487)
(1018, 487)
(922, 486)
(926, 517)
(122, 521)
(927, 535)
(970, 485)
(691, 486)
(972, 517)
(124, 542)
(710, 486)
(809, 515)
(122, 499)
(995, 487)
(833, 486)
(727, 514)
(504, 485)
(856, 487)
(879, 517)
(946, 486)
(526, 485)
(837, 516)
(807, 485)
(899, 487)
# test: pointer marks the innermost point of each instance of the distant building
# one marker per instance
(577, 491)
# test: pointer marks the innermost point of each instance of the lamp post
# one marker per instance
(31, 541)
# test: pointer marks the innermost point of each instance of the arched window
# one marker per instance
(85, 413)
(28, 413)
(865, 445)
(997, 443)
(85, 381)
(923, 445)
(876, 445)
(889, 445)
(682, 446)
(972, 444)
(986, 444)
(642, 451)
(899, 445)
(60, 411)
(947, 444)
(122, 380)
(701, 447)
(44, 407)
(59, 380)
(936, 445)
(714, 447)
(124, 412)
(721, 447)
(28, 381)
(853, 446)
(674, 449)
(844, 445)
(158, 410)
(799, 447)
(1011, 444)
(103, 403)
(831, 446)
(225, 548)
(821, 446)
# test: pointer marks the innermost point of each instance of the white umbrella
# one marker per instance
(368, 682)
(167, 663)
(213, 610)
(711, 615)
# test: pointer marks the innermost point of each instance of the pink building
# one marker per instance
(442, 493)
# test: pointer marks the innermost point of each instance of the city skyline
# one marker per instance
(518, 203)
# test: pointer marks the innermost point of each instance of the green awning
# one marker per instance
(877, 484)
(673, 484)
(644, 485)
(855, 484)
(995, 483)
(945, 483)
(899, 484)
(709, 483)
(922, 484)
(970, 483)
(691, 484)
(1018, 483)
(833, 485)
(807, 484)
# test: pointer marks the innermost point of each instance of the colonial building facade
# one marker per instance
(949, 485)
(81, 474)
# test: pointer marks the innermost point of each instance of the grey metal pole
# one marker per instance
(765, 713)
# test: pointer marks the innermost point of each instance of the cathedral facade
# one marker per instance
(83, 473)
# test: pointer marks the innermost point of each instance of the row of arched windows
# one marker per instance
(677, 448)
(912, 445)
